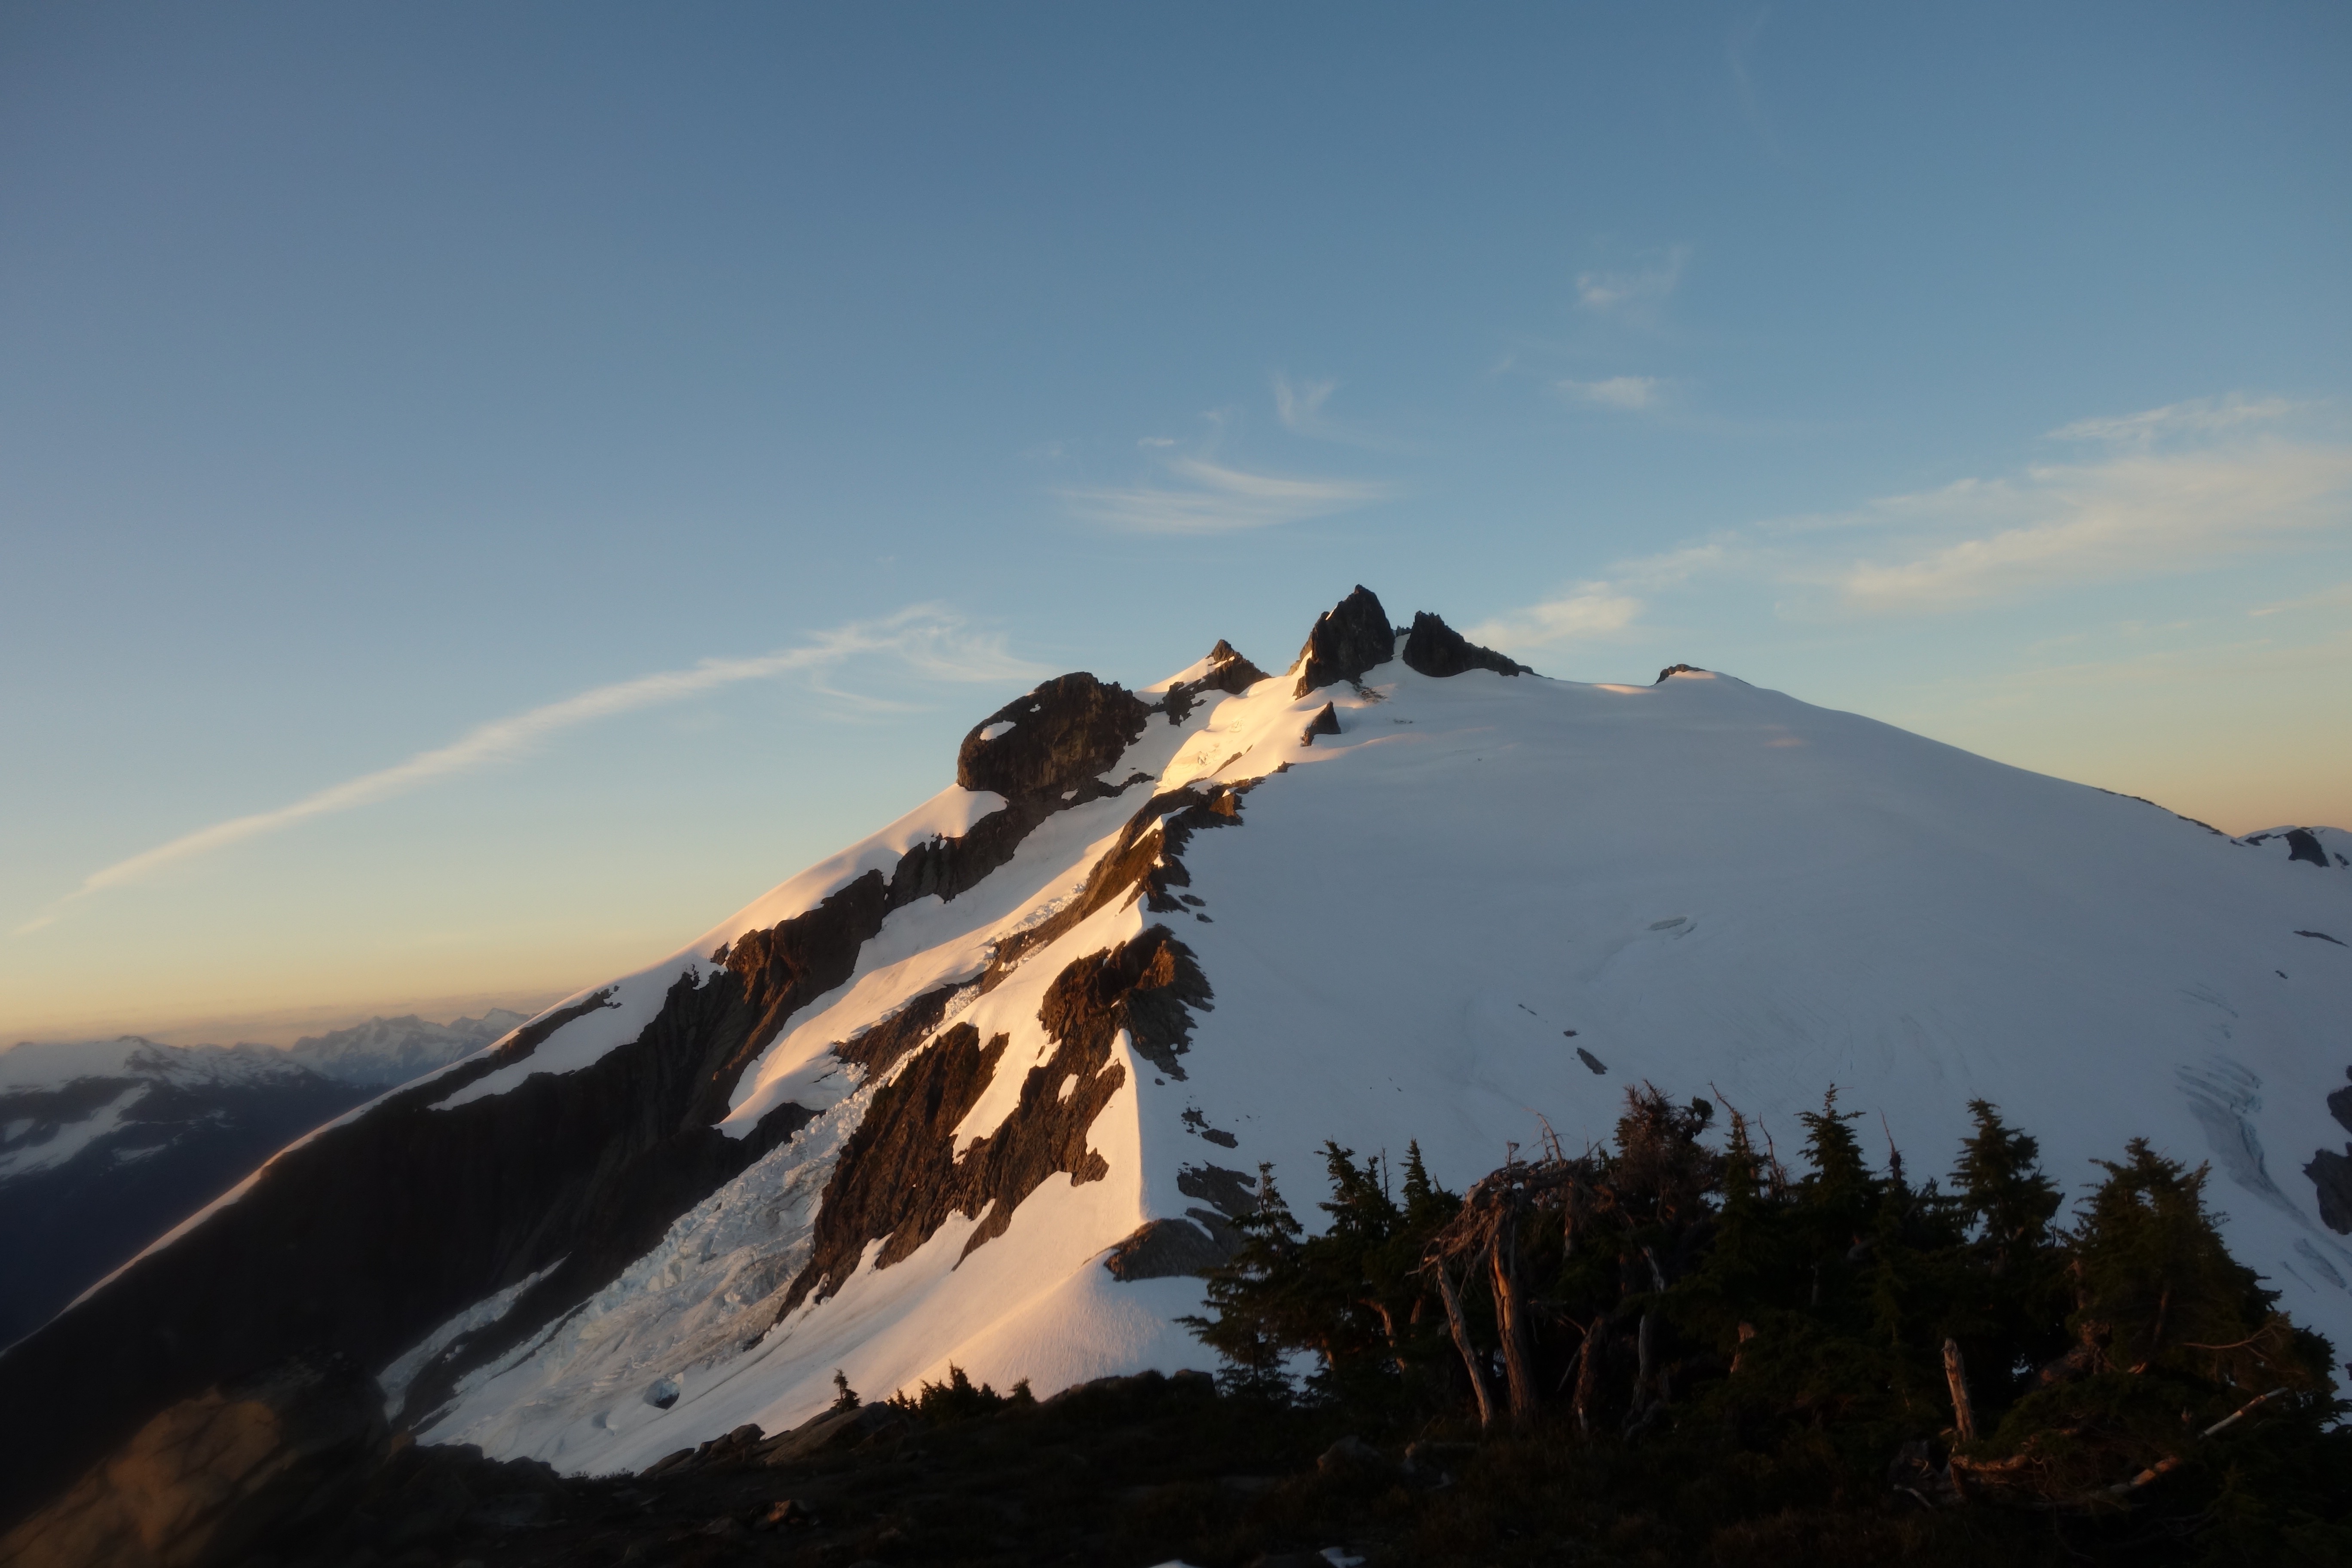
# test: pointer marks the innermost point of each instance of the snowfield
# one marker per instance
(1488, 904)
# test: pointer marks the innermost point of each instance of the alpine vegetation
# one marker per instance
(1700, 1347)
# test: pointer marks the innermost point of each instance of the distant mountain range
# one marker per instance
(106, 1144)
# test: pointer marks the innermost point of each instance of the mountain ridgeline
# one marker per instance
(987, 1087)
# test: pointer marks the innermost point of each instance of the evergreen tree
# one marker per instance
(1348, 1270)
(1256, 1298)
(1427, 1206)
(1836, 1207)
(2158, 1286)
(1747, 1268)
(2001, 1188)
(2007, 1288)
(1785, 1340)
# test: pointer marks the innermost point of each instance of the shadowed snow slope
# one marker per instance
(930, 1084)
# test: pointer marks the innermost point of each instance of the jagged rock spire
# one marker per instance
(1433, 648)
(1348, 639)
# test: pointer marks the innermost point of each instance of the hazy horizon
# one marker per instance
(485, 495)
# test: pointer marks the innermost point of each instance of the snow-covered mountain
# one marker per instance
(383, 1052)
(983, 1087)
(106, 1145)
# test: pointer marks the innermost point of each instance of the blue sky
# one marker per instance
(485, 491)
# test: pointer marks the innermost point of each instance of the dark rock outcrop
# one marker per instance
(2331, 1173)
(1059, 736)
(877, 1049)
(1149, 986)
(212, 1476)
(1228, 672)
(1048, 753)
(2301, 843)
(1434, 648)
(1197, 1124)
(1168, 1248)
(1350, 638)
(899, 1178)
(1676, 669)
(1232, 1194)
(1325, 723)
(1144, 862)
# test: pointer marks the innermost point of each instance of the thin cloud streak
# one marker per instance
(1220, 499)
(1590, 611)
(1632, 392)
(1599, 609)
(929, 639)
(2337, 597)
(2175, 489)
(2197, 417)
(2131, 516)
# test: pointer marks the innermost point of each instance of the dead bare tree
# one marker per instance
(1656, 1179)
(1956, 1375)
(1455, 1320)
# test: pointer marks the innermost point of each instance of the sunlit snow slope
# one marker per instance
(983, 1088)
(1717, 888)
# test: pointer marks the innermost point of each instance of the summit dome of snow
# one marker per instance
(932, 1086)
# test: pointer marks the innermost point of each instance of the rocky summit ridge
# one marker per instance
(988, 1087)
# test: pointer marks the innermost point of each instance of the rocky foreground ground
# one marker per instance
(296, 1470)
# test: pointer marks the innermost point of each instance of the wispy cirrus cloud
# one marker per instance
(1300, 406)
(2181, 488)
(1588, 611)
(2197, 417)
(1303, 409)
(1632, 393)
(928, 640)
(1635, 294)
(2178, 487)
(2336, 598)
(1212, 498)
(1602, 608)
